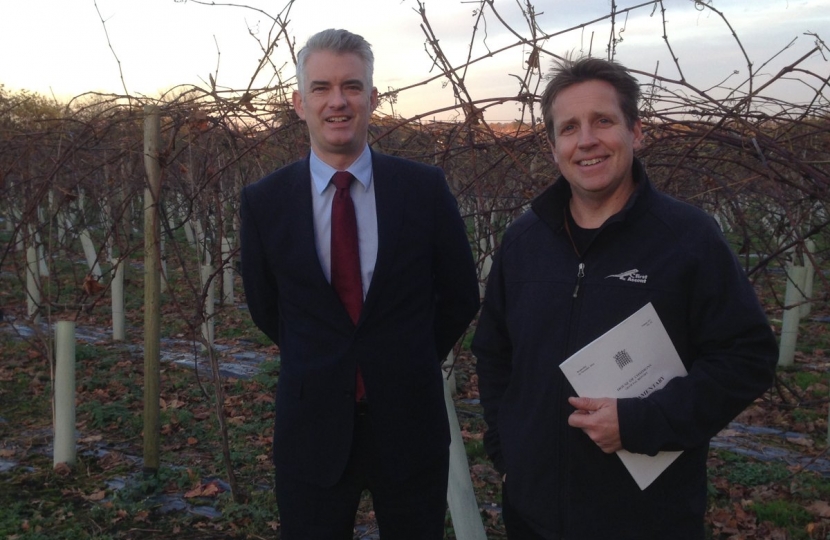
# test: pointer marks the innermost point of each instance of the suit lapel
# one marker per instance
(303, 234)
(389, 206)
(303, 225)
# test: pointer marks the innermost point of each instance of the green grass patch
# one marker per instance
(782, 513)
(750, 473)
(475, 451)
(806, 379)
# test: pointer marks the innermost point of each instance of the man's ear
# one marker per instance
(638, 134)
(297, 100)
(373, 99)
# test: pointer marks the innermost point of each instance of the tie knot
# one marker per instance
(342, 180)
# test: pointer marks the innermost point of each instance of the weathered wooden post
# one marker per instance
(117, 300)
(43, 266)
(461, 499)
(486, 264)
(32, 284)
(809, 277)
(64, 399)
(208, 308)
(16, 219)
(227, 271)
(793, 297)
(152, 289)
(163, 257)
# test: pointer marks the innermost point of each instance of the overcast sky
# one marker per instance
(59, 46)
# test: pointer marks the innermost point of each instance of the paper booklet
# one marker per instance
(633, 359)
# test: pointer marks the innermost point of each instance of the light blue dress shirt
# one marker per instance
(363, 196)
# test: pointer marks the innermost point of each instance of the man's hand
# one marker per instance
(598, 419)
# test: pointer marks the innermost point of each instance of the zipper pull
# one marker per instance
(579, 275)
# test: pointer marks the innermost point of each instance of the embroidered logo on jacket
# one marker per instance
(630, 275)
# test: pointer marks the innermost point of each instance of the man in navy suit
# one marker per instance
(360, 397)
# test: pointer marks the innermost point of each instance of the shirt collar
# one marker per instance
(361, 169)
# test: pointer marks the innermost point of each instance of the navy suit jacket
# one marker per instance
(424, 293)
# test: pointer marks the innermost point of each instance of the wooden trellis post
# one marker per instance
(152, 289)
(33, 283)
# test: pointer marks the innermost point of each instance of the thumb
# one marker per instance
(584, 403)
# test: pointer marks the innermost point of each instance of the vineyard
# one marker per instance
(73, 193)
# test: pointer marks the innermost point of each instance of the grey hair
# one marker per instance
(337, 41)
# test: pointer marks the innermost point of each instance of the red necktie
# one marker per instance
(345, 256)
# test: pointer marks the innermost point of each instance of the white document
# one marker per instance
(633, 359)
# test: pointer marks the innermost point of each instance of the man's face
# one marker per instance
(336, 103)
(592, 144)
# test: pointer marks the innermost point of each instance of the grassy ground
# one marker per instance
(107, 494)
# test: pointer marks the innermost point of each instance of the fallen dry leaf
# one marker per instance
(176, 404)
(195, 492)
(820, 509)
(204, 490)
(91, 286)
(801, 441)
(211, 490)
(63, 469)
(110, 460)
(97, 496)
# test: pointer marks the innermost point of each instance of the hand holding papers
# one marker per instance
(633, 359)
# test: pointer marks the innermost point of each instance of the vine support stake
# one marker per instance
(64, 398)
(461, 499)
(152, 289)
(793, 299)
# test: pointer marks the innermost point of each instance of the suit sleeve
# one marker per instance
(261, 289)
(494, 359)
(454, 274)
